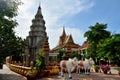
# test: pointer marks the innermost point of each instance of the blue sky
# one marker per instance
(103, 11)
(75, 15)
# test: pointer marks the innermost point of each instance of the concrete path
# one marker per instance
(93, 76)
(113, 70)
(7, 74)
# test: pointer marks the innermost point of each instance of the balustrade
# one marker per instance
(19, 67)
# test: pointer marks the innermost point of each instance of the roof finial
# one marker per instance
(39, 4)
(63, 27)
(63, 34)
(39, 9)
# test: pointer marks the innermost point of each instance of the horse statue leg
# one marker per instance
(77, 70)
(69, 73)
(62, 72)
(85, 70)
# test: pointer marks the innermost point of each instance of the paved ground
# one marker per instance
(6, 74)
(93, 76)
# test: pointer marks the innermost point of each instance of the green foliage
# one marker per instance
(40, 54)
(31, 72)
(92, 50)
(110, 48)
(87, 56)
(76, 54)
(61, 52)
(96, 67)
(97, 33)
(95, 36)
(40, 62)
(10, 44)
(2, 60)
(9, 8)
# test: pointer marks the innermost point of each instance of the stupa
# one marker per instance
(37, 38)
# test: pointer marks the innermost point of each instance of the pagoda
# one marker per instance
(37, 38)
(66, 43)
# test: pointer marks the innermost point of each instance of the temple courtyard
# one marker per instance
(7, 74)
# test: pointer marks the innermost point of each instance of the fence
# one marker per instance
(19, 67)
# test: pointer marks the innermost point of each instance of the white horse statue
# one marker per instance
(86, 65)
(68, 65)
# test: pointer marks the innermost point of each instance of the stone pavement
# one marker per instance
(7, 74)
(93, 76)
(114, 71)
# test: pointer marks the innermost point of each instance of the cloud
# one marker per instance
(55, 14)
(26, 14)
(54, 10)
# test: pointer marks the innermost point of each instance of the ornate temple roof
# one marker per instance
(66, 41)
(84, 46)
(63, 33)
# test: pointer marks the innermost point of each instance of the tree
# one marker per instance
(95, 35)
(110, 48)
(18, 48)
(76, 54)
(8, 40)
(61, 53)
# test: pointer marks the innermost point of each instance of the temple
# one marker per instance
(66, 43)
(37, 38)
(84, 47)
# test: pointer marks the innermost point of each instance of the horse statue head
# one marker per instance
(75, 61)
(91, 62)
(70, 59)
(86, 59)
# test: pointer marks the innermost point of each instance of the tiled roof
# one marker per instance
(66, 41)
(84, 46)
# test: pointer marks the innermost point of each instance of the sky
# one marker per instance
(75, 15)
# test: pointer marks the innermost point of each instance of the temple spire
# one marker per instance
(40, 3)
(38, 37)
(63, 33)
(39, 12)
(70, 39)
